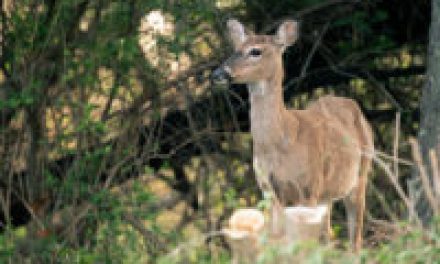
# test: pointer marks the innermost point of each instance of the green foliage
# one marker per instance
(230, 197)
(195, 254)
(17, 100)
(364, 36)
(113, 240)
(415, 247)
(409, 248)
(88, 124)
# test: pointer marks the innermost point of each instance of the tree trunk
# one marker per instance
(429, 133)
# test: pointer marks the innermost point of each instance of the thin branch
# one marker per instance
(387, 94)
(335, 74)
(396, 145)
(399, 160)
(312, 52)
(151, 239)
(385, 206)
(424, 176)
(409, 204)
(308, 11)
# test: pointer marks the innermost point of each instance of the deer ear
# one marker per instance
(236, 33)
(287, 33)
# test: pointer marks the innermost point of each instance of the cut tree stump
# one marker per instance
(248, 234)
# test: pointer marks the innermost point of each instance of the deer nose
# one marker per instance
(220, 76)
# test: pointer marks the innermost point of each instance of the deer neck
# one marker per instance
(268, 112)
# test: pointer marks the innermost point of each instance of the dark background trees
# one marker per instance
(107, 113)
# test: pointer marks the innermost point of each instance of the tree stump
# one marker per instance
(248, 234)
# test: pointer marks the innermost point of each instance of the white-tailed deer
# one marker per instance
(302, 157)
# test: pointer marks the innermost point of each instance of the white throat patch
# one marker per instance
(258, 88)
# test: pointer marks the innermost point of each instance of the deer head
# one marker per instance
(256, 57)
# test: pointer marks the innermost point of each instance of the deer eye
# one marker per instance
(255, 52)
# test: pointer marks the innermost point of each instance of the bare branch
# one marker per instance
(424, 176)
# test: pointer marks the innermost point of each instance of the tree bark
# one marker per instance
(429, 133)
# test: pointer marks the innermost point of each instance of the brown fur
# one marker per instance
(311, 156)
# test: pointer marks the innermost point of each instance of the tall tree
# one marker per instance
(429, 133)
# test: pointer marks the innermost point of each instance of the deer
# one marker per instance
(313, 156)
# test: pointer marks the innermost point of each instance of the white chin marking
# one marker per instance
(228, 70)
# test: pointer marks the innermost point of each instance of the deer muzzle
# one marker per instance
(221, 75)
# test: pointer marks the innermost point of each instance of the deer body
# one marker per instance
(305, 157)
(297, 149)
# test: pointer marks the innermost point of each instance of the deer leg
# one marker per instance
(351, 212)
(277, 219)
(276, 222)
(354, 207)
(328, 232)
(268, 187)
